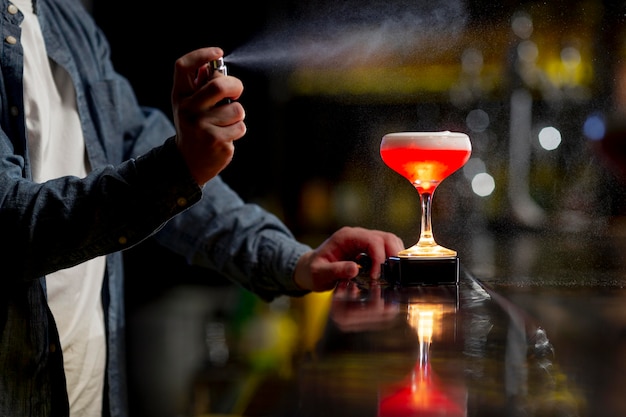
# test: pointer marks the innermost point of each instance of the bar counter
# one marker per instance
(538, 330)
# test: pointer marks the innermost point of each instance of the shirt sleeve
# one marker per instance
(65, 221)
(239, 240)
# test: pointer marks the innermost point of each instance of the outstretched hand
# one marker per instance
(334, 259)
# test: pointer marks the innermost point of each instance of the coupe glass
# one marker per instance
(426, 159)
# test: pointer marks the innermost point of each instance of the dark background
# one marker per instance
(295, 138)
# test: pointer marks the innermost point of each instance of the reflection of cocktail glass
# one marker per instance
(426, 159)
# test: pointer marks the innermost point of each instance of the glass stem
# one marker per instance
(426, 233)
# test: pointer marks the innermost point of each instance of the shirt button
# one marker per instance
(10, 40)
(122, 240)
(182, 201)
(15, 111)
(52, 347)
(12, 9)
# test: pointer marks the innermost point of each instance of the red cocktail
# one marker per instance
(426, 159)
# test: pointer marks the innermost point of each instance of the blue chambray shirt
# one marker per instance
(139, 187)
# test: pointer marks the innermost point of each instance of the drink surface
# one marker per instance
(425, 158)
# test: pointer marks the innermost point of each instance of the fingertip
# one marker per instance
(351, 270)
(375, 273)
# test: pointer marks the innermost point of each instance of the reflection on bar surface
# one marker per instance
(432, 350)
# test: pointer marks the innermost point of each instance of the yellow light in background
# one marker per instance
(569, 68)
(315, 307)
(367, 81)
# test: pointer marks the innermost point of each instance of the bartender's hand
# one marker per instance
(206, 128)
(334, 260)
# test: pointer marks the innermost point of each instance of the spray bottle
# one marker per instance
(217, 65)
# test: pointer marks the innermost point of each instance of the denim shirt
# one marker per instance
(139, 188)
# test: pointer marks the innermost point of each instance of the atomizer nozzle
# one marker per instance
(218, 65)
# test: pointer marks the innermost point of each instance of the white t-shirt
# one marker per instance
(56, 147)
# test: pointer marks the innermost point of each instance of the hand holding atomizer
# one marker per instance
(206, 126)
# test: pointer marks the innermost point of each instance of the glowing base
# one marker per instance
(411, 271)
(427, 249)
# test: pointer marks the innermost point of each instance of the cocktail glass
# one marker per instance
(426, 159)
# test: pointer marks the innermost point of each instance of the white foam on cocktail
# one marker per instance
(428, 140)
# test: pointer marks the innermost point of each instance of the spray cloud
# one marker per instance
(350, 33)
